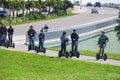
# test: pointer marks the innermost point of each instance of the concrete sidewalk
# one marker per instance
(24, 48)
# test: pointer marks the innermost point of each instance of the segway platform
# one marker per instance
(8, 44)
(31, 48)
(60, 54)
(40, 50)
(77, 54)
(101, 57)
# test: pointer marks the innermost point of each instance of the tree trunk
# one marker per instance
(17, 14)
(23, 11)
(13, 13)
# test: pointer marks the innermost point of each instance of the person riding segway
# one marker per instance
(102, 44)
(41, 47)
(10, 37)
(0, 36)
(3, 35)
(31, 35)
(74, 38)
(64, 41)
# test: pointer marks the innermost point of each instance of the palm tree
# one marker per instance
(38, 4)
(17, 6)
(32, 4)
(28, 6)
(23, 6)
(117, 28)
(66, 5)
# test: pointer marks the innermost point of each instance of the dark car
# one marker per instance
(97, 4)
(77, 3)
(89, 4)
(4, 14)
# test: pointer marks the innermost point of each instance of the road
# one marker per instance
(82, 18)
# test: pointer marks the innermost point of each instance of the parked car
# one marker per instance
(4, 13)
(77, 3)
(89, 4)
(94, 10)
(97, 4)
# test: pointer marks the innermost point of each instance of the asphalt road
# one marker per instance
(82, 18)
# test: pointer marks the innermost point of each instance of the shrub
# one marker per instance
(60, 13)
(20, 15)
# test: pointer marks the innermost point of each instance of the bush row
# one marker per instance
(30, 16)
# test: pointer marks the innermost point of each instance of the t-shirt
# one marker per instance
(74, 37)
(31, 33)
(103, 39)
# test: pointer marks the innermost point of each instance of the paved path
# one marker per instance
(23, 48)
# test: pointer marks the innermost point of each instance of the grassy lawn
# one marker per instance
(24, 66)
(48, 18)
(90, 53)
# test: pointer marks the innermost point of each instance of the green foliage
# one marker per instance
(117, 28)
(35, 16)
(24, 66)
(60, 13)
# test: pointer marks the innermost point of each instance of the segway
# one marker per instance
(104, 56)
(9, 44)
(31, 47)
(61, 53)
(2, 41)
(41, 50)
(74, 52)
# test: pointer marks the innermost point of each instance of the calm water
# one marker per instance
(113, 46)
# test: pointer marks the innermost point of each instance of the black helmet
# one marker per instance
(31, 26)
(41, 30)
(74, 29)
(64, 32)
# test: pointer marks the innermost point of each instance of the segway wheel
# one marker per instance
(37, 50)
(59, 54)
(78, 54)
(97, 56)
(13, 45)
(28, 47)
(44, 50)
(105, 57)
(7, 46)
(67, 54)
(70, 54)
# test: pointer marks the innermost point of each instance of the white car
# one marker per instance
(94, 10)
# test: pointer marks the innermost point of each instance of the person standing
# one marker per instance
(46, 28)
(41, 40)
(3, 34)
(102, 42)
(74, 38)
(64, 41)
(10, 34)
(31, 35)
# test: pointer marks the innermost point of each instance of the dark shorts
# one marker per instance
(102, 45)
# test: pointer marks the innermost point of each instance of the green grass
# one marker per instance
(24, 66)
(90, 53)
(48, 18)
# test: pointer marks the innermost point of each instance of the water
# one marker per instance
(113, 46)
